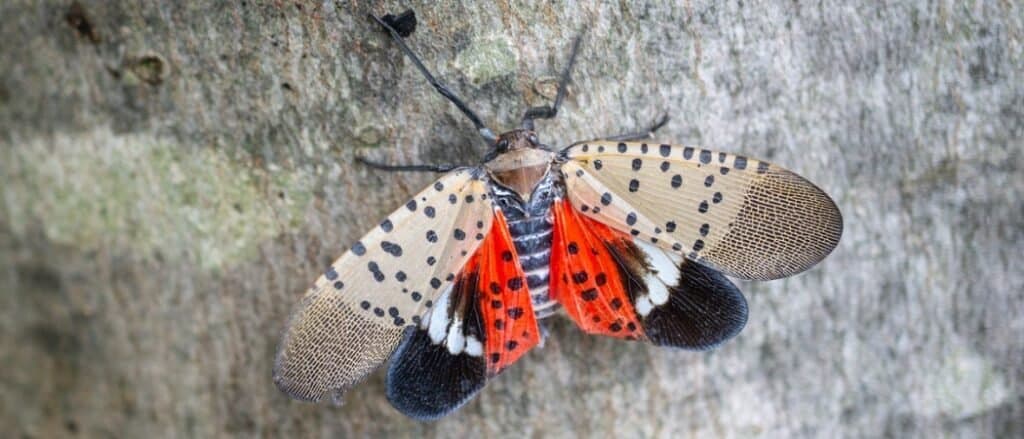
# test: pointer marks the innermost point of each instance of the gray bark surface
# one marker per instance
(175, 174)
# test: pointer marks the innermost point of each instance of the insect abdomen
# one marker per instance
(530, 225)
(532, 238)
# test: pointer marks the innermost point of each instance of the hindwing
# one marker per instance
(480, 325)
(612, 284)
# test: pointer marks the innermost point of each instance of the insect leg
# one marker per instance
(548, 112)
(485, 132)
(640, 135)
(408, 168)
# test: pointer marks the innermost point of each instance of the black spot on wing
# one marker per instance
(579, 277)
(705, 156)
(740, 163)
(374, 269)
(515, 313)
(589, 295)
(515, 284)
(391, 248)
(631, 218)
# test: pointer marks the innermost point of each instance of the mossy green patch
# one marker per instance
(486, 60)
(150, 195)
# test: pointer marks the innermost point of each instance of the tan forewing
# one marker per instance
(744, 217)
(353, 317)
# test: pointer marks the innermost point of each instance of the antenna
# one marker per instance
(407, 20)
(548, 112)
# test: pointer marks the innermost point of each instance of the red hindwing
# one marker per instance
(585, 275)
(509, 325)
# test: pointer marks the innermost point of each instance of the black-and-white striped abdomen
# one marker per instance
(530, 225)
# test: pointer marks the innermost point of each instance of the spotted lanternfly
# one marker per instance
(628, 239)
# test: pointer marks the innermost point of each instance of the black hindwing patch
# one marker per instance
(426, 382)
(704, 310)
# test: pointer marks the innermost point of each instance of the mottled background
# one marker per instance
(173, 175)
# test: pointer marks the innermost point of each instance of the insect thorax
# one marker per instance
(530, 224)
(521, 162)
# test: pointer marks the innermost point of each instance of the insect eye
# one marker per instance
(502, 144)
(533, 139)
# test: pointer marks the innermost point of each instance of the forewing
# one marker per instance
(354, 316)
(481, 324)
(744, 217)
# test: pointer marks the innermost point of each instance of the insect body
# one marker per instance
(628, 239)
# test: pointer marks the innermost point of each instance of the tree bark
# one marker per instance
(176, 174)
